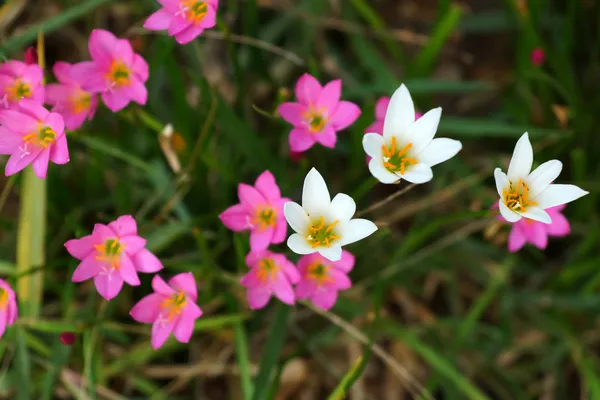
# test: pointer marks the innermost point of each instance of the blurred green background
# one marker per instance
(434, 288)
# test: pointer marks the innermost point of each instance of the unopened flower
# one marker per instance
(318, 114)
(184, 19)
(67, 338)
(407, 149)
(321, 279)
(528, 194)
(170, 309)
(30, 56)
(260, 211)
(18, 81)
(69, 99)
(271, 274)
(116, 71)
(32, 135)
(8, 306)
(321, 224)
(112, 254)
(537, 56)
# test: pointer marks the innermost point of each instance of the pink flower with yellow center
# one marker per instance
(321, 279)
(184, 19)
(112, 254)
(271, 274)
(318, 114)
(8, 306)
(32, 135)
(69, 99)
(116, 72)
(170, 309)
(260, 211)
(18, 81)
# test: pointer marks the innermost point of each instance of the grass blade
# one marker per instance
(241, 351)
(22, 367)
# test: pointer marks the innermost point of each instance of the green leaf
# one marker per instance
(241, 351)
(480, 127)
(342, 389)
(22, 365)
(114, 151)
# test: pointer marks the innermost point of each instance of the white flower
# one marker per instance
(527, 194)
(322, 224)
(407, 149)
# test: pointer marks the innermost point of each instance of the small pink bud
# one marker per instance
(67, 338)
(31, 56)
(537, 56)
(296, 156)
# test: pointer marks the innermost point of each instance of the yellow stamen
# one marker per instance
(119, 74)
(19, 90)
(319, 272)
(194, 10)
(44, 136)
(516, 197)
(3, 298)
(110, 251)
(395, 161)
(265, 217)
(315, 119)
(321, 235)
(267, 270)
(174, 305)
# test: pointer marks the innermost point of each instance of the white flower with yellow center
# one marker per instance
(321, 224)
(526, 194)
(407, 149)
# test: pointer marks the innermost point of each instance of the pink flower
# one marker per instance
(537, 56)
(318, 114)
(32, 135)
(270, 274)
(116, 71)
(531, 231)
(171, 308)
(184, 19)
(68, 97)
(321, 279)
(8, 306)
(260, 211)
(112, 255)
(20, 81)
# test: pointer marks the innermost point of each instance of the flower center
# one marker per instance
(119, 74)
(265, 218)
(44, 136)
(3, 298)
(395, 160)
(319, 273)
(19, 90)
(174, 305)
(315, 119)
(80, 101)
(110, 251)
(321, 235)
(193, 10)
(516, 197)
(267, 270)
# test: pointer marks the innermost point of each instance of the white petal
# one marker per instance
(542, 176)
(537, 214)
(555, 195)
(342, 208)
(419, 173)
(522, 159)
(315, 195)
(299, 245)
(296, 216)
(400, 114)
(372, 144)
(508, 214)
(333, 253)
(356, 230)
(423, 130)
(380, 172)
(439, 150)
(501, 181)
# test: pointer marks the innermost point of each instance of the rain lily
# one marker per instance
(528, 194)
(260, 211)
(171, 308)
(112, 254)
(321, 279)
(116, 71)
(321, 224)
(68, 97)
(318, 114)
(32, 135)
(18, 81)
(407, 149)
(8, 306)
(270, 274)
(184, 19)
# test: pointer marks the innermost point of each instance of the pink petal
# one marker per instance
(160, 333)
(290, 271)
(185, 326)
(20, 160)
(102, 233)
(90, 77)
(161, 287)
(127, 270)
(62, 72)
(341, 280)
(178, 25)
(327, 137)
(145, 261)
(280, 233)
(305, 289)
(301, 140)
(346, 263)
(560, 225)
(249, 196)
(330, 96)
(59, 152)
(115, 100)
(125, 225)
(251, 280)
(381, 108)
(9, 142)
(33, 74)
(171, 5)
(13, 313)
(375, 127)
(265, 184)
(537, 235)
(80, 248)
(102, 47)
(140, 67)
(56, 122)
(108, 288)
(3, 319)
(13, 68)
(159, 21)
(73, 121)
(516, 239)
(189, 34)
(210, 19)
(292, 112)
(136, 91)
(235, 218)
(133, 243)
(37, 95)
(308, 89)
(87, 269)
(18, 122)
(324, 298)
(57, 93)
(261, 240)
(283, 290)
(258, 297)
(40, 164)
(147, 309)
(345, 115)
(33, 109)
(185, 282)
